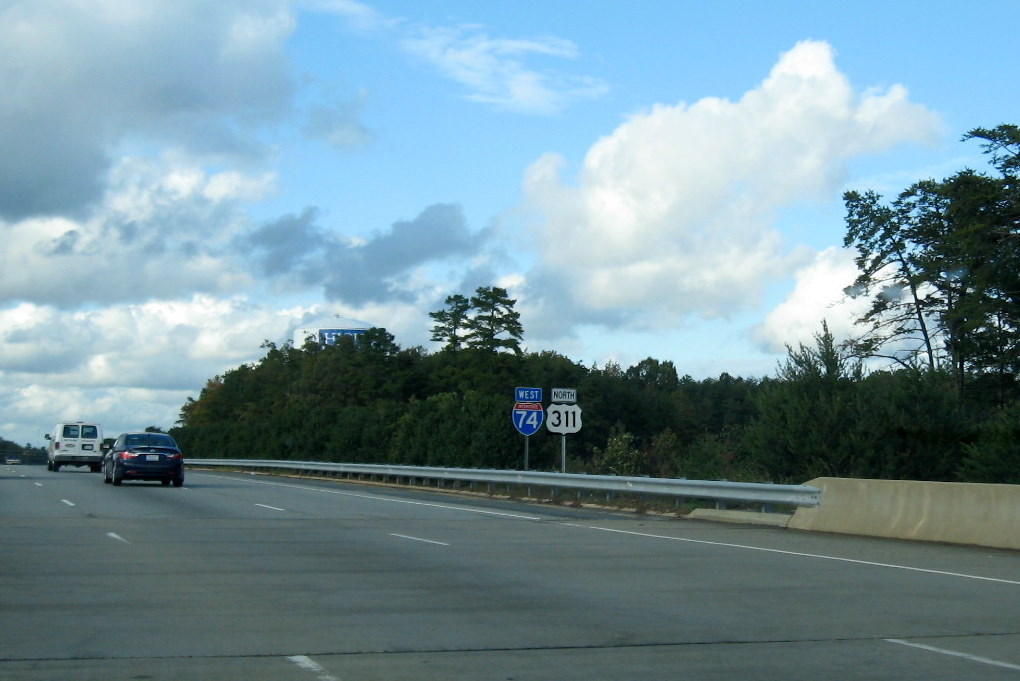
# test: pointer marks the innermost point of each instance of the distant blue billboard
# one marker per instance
(330, 336)
(329, 331)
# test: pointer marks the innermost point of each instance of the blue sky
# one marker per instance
(181, 181)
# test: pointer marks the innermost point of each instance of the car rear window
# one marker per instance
(70, 431)
(89, 432)
(151, 440)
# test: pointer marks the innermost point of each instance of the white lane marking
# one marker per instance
(802, 555)
(114, 535)
(463, 509)
(954, 653)
(427, 541)
(308, 664)
(640, 534)
(38, 484)
(271, 508)
(69, 503)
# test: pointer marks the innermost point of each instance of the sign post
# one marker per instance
(527, 414)
(564, 417)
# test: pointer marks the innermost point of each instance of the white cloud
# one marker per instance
(162, 229)
(672, 214)
(506, 73)
(496, 70)
(83, 79)
(132, 272)
(127, 366)
(817, 296)
(359, 14)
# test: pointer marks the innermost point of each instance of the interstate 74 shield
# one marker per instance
(528, 417)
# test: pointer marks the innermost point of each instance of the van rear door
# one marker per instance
(88, 438)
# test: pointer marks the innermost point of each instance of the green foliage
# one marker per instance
(450, 324)
(620, 457)
(374, 402)
(26, 453)
(994, 456)
(721, 456)
(495, 324)
(801, 429)
(940, 265)
(907, 425)
(486, 322)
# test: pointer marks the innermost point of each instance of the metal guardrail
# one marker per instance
(720, 490)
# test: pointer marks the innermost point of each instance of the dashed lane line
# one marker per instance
(955, 653)
(310, 665)
(427, 541)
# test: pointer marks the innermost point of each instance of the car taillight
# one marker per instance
(125, 455)
(176, 456)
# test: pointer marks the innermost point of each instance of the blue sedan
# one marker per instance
(144, 456)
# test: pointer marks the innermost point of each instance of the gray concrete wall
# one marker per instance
(957, 513)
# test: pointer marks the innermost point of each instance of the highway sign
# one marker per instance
(528, 395)
(528, 417)
(564, 395)
(564, 418)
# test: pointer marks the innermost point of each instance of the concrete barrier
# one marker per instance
(741, 517)
(956, 513)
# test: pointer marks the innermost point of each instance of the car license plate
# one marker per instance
(86, 446)
(152, 457)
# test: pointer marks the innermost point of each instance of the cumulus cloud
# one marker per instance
(161, 230)
(671, 215)
(80, 79)
(360, 271)
(817, 296)
(128, 365)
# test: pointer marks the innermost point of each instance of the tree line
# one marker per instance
(939, 264)
(25, 453)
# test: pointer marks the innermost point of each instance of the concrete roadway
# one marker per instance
(260, 578)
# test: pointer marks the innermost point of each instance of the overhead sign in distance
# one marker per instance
(564, 418)
(528, 417)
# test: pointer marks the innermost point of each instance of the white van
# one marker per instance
(75, 444)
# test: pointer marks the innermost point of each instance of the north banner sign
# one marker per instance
(564, 395)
